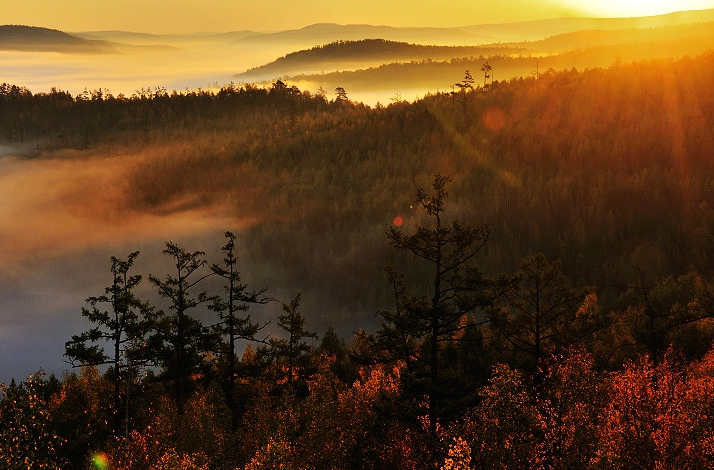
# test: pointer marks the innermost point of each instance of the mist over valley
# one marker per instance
(356, 246)
(170, 150)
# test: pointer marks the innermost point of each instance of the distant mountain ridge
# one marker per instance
(322, 33)
(351, 56)
(44, 39)
(33, 38)
(366, 53)
(138, 38)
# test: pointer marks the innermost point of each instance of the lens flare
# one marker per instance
(100, 461)
(398, 221)
(494, 118)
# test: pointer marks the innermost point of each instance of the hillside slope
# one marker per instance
(365, 53)
(32, 38)
(377, 65)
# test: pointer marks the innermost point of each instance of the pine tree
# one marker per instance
(293, 350)
(123, 326)
(235, 323)
(180, 342)
(459, 287)
(542, 311)
(467, 83)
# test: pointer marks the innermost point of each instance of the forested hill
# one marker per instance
(322, 33)
(568, 324)
(606, 168)
(366, 53)
(31, 38)
(379, 64)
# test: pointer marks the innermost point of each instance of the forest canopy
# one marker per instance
(604, 168)
(550, 277)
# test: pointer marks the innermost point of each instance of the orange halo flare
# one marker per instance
(494, 118)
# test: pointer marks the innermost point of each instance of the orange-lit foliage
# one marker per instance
(276, 454)
(569, 402)
(192, 440)
(141, 451)
(336, 425)
(660, 416)
(505, 429)
(644, 416)
(27, 440)
(82, 413)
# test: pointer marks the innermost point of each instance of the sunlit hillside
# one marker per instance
(367, 53)
(374, 66)
(539, 29)
(550, 253)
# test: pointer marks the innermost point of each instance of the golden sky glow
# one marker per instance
(638, 7)
(189, 16)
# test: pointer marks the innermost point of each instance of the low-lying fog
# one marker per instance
(134, 67)
(60, 221)
(62, 216)
(174, 64)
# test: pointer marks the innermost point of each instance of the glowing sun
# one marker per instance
(632, 8)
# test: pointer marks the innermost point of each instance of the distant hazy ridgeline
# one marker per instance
(373, 63)
(377, 64)
(29, 38)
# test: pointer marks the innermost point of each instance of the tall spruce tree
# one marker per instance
(542, 311)
(431, 320)
(180, 342)
(292, 351)
(122, 326)
(235, 324)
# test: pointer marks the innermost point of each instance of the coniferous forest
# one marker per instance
(536, 257)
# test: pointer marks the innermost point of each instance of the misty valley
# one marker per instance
(515, 270)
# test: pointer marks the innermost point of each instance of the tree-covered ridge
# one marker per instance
(606, 168)
(378, 64)
(369, 52)
(19, 37)
(433, 74)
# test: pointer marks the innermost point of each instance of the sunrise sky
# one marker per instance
(189, 16)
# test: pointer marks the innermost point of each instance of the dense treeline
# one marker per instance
(592, 191)
(58, 119)
(642, 416)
